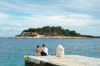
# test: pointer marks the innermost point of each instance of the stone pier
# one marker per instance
(67, 60)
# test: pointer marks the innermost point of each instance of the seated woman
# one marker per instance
(38, 51)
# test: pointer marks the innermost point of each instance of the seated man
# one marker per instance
(38, 51)
(44, 51)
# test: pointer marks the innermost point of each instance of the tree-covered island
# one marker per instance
(56, 32)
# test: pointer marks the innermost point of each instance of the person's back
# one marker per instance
(44, 50)
(38, 51)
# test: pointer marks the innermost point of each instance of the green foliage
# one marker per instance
(18, 35)
(26, 35)
(91, 36)
(73, 33)
(32, 35)
(52, 31)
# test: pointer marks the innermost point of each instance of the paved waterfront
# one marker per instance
(67, 60)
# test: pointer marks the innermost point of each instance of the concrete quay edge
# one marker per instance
(67, 60)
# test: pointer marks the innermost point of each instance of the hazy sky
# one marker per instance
(83, 16)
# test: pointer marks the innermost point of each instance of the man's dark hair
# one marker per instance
(37, 46)
(43, 45)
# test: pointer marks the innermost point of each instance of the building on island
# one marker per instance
(29, 33)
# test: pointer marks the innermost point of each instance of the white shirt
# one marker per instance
(45, 49)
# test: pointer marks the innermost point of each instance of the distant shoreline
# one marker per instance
(54, 37)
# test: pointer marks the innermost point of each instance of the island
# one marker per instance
(52, 32)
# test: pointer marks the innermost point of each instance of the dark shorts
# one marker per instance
(43, 53)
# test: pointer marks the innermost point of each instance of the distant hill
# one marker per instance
(52, 31)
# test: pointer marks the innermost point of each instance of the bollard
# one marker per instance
(60, 51)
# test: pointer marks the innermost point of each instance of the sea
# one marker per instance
(12, 50)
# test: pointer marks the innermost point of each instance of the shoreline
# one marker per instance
(53, 37)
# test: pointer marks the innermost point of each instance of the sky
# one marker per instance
(82, 16)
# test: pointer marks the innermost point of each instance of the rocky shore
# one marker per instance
(53, 37)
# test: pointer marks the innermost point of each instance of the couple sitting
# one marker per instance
(43, 52)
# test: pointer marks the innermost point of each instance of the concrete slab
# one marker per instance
(67, 60)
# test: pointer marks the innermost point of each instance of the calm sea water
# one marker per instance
(12, 52)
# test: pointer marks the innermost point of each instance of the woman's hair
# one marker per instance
(37, 46)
